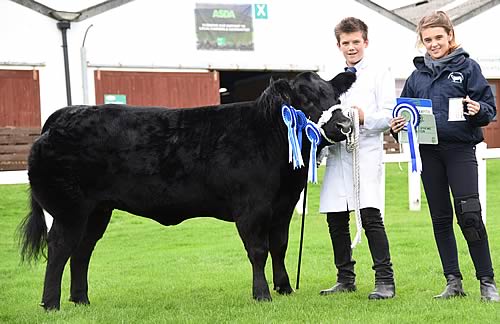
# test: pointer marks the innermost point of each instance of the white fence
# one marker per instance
(414, 192)
(13, 177)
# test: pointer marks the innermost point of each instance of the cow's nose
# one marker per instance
(345, 128)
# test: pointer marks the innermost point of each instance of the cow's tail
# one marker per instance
(33, 233)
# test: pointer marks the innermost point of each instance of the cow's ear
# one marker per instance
(282, 86)
(342, 82)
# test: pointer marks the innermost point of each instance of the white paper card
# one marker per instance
(455, 109)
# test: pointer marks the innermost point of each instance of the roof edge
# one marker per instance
(84, 14)
(389, 14)
(33, 5)
(475, 12)
(101, 8)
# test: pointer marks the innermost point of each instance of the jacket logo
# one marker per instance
(456, 77)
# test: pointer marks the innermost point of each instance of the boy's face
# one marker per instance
(352, 46)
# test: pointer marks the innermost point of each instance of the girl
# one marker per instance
(444, 74)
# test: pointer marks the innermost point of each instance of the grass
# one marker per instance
(198, 271)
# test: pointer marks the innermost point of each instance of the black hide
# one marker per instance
(228, 161)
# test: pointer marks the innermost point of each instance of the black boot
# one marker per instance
(338, 225)
(489, 290)
(383, 291)
(453, 288)
(339, 287)
(379, 249)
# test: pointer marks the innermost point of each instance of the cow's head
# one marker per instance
(313, 95)
(335, 125)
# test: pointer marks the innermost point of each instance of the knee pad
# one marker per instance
(468, 211)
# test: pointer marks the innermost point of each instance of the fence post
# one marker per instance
(49, 220)
(481, 174)
(300, 203)
(414, 194)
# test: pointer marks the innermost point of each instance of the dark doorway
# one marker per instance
(247, 85)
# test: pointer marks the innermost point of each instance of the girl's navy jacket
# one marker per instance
(457, 79)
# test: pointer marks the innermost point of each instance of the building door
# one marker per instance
(165, 89)
(19, 117)
(19, 98)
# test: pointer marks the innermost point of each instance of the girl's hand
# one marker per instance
(473, 107)
(397, 124)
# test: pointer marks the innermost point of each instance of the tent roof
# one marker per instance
(405, 12)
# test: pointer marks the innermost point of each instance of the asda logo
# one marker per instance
(223, 13)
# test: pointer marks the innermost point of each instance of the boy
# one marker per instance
(373, 95)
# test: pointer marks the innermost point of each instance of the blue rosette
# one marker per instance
(409, 110)
(289, 116)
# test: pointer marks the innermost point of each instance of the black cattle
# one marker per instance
(228, 161)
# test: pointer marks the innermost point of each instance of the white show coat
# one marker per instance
(374, 92)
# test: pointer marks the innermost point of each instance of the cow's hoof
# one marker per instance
(48, 307)
(80, 300)
(263, 298)
(287, 290)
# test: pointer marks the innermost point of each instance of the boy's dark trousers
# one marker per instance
(338, 225)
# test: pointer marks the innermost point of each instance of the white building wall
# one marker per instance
(27, 37)
(478, 36)
(161, 33)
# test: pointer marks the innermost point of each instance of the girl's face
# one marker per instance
(352, 46)
(436, 41)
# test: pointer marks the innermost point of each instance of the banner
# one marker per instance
(224, 27)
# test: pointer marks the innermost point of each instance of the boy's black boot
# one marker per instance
(383, 291)
(339, 287)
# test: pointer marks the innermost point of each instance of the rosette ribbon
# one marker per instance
(411, 127)
(314, 136)
(289, 116)
(301, 124)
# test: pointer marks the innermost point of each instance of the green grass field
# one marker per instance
(198, 272)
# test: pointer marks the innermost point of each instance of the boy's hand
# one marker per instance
(361, 115)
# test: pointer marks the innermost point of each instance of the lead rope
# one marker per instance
(352, 146)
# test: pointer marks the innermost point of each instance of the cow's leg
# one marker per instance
(96, 226)
(61, 241)
(278, 243)
(254, 231)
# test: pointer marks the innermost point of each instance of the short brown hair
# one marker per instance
(351, 25)
(437, 19)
